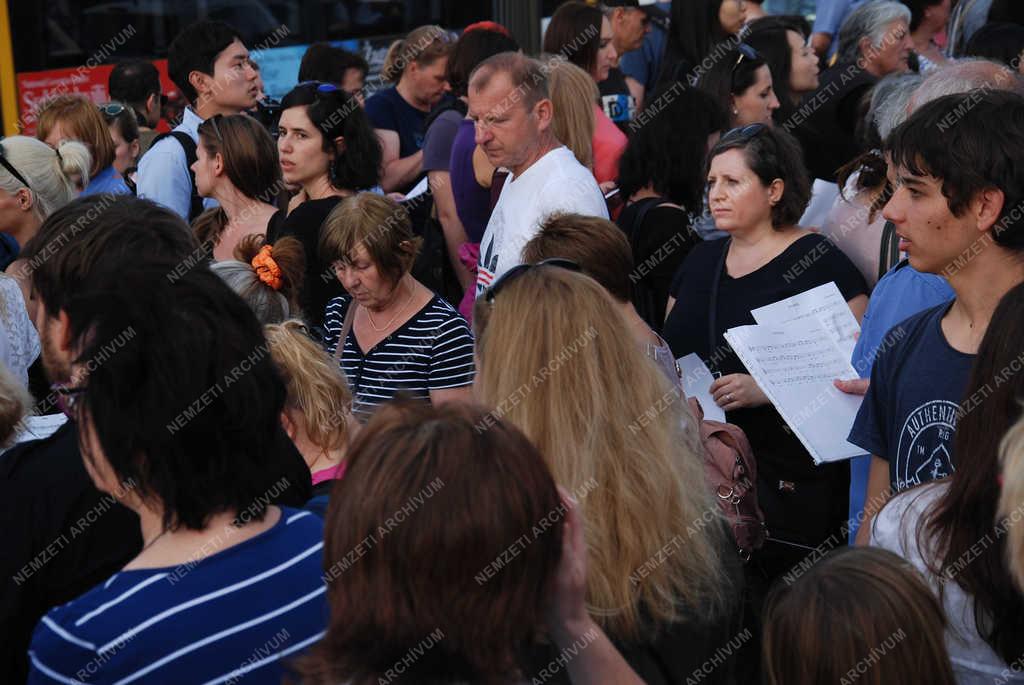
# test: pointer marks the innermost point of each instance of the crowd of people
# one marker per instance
(387, 389)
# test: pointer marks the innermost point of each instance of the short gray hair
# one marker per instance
(871, 19)
(269, 305)
(966, 75)
(529, 76)
(889, 101)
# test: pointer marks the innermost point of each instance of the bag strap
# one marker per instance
(890, 249)
(346, 326)
(713, 300)
(189, 147)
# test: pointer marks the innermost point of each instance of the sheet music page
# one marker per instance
(795, 366)
(697, 380)
(824, 304)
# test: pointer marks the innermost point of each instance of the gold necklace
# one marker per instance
(397, 314)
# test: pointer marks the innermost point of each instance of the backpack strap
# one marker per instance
(889, 255)
(189, 146)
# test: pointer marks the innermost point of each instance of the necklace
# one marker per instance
(397, 314)
(151, 542)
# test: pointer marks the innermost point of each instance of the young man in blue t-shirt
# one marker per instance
(958, 208)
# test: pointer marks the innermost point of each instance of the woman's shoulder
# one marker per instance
(895, 527)
(440, 309)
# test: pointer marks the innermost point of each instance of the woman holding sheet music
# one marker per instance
(757, 190)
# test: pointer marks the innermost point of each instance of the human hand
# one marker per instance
(567, 612)
(857, 386)
(737, 391)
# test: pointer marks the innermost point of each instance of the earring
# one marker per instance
(735, 111)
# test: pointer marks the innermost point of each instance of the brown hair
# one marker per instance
(250, 161)
(81, 120)
(1011, 500)
(318, 395)
(433, 499)
(575, 33)
(860, 615)
(249, 153)
(529, 76)
(378, 223)
(424, 45)
(597, 245)
(269, 305)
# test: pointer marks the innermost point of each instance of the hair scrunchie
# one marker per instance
(266, 268)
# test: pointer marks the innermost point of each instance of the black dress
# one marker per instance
(320, 284)
(804, 504)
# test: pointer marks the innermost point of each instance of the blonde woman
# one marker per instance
(35, 181)
(555, 358)
(15, 404)
(580, 123)
(1011, 501)
(317, 412)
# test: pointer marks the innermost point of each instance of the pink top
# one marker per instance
(609, 143)
(330, 472)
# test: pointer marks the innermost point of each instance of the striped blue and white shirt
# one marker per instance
(431, 351)
(237, 616)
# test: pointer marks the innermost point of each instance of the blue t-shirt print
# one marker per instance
(910, 412)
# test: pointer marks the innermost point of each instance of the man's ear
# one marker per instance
(202, 83)
(545, 113)
(986, 208)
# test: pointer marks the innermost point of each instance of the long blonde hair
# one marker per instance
(556, 359)
(573, 96)
(318, 391)
(1011, 500)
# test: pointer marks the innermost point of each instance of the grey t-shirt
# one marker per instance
(437, 146)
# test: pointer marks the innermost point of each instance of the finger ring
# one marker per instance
(728, 397)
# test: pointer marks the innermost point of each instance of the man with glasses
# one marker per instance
(212, 68)
(136, 83)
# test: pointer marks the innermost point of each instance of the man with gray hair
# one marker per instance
(874, 41)
(509, 104)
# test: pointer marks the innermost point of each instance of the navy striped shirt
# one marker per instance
(431, 351)
(236, 616)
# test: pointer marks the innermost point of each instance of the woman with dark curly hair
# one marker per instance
(661, 174)
(328, 148)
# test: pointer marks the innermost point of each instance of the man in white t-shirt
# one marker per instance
(509, 103)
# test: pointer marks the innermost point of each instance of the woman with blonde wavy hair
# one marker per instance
(555, 359)
(317, 413)
(574, 96)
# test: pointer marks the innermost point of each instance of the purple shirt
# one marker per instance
(472, 201)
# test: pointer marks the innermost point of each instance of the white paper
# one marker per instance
(697, 380)
(795, 365)
(418, 189)
(824, 304)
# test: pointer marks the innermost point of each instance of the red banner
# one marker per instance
(35, 87)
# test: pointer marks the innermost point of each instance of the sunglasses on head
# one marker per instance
(112, 109)
(321, 86)
(520, 269)
(10, 168)
(744, 132)
(746, 52)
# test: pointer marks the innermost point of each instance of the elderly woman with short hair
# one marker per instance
(391, 333)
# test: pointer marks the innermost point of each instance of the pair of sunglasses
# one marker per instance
(112, 109)
(10, 168)
(520, 269)
(321, 86)
(744, 132)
